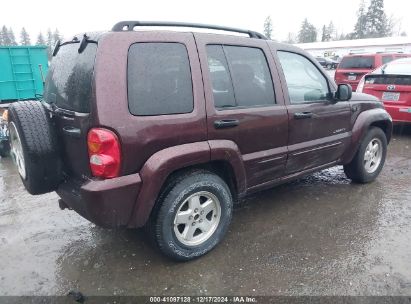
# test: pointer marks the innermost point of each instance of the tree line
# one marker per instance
(372, 22)
(7, 38)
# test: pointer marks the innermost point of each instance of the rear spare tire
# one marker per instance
(34, 148)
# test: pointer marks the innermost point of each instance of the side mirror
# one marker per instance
(344, 92)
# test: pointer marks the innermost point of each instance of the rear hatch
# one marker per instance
(391, 89)
(352, 68)
(68, 94)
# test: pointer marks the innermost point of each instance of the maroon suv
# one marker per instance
(166, 129)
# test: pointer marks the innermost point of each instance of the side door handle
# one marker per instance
(226, 123)
(303, 115)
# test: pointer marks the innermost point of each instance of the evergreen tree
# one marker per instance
(12, 38)
(56, 37)
(24, 37)
(49, 43)
(327, 32)
(360, 28)
(268, 27)
(324, 34)
(342, 36)
(3, 35)
(331, 31)
(308, 32)
(378, 24)
(40, 39)
(290, 38)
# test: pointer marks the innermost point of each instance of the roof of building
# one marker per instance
(356, 43)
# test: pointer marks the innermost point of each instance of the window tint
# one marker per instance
(69, 80)
(240, 76)
(304, 81)
(397, 67)
(357, 62)
(220, 77)
(159, 79)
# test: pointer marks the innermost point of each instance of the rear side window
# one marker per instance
(357, 62)
(223, 90)
(240, 76)
(159, 79)
(69, 81)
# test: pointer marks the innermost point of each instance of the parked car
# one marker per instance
(167, 129)
(392, 84)
(353, 67)
(327, 62)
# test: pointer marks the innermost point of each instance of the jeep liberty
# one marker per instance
(142, 127)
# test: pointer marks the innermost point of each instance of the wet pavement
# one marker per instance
(320, 235)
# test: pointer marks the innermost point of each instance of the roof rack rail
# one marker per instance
(130, 25)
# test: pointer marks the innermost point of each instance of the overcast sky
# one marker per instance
(75, 16)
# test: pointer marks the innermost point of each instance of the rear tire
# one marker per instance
(191, 216)
(33, 144)
(369, 159)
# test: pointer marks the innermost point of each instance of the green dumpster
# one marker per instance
(22, 69)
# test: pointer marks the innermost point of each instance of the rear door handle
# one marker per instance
(226, 123)
(303, 115)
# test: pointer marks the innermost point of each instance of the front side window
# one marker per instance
(304, 81)
(159, 79)
(240, 76)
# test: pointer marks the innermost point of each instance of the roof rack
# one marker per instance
(130, 25)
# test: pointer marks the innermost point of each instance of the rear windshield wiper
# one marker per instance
(83, 44)
(59, 44)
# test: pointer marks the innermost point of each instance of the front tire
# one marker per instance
(193, 216)
(369, 159)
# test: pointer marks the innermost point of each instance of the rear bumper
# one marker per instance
(399, 113)
(107, 203)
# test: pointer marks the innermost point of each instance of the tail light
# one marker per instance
(104, 152)
(360, 86)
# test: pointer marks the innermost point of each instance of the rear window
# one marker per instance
(398, 67)
(159, 79)
(357, 62)
(386, 59)
(69, 80)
